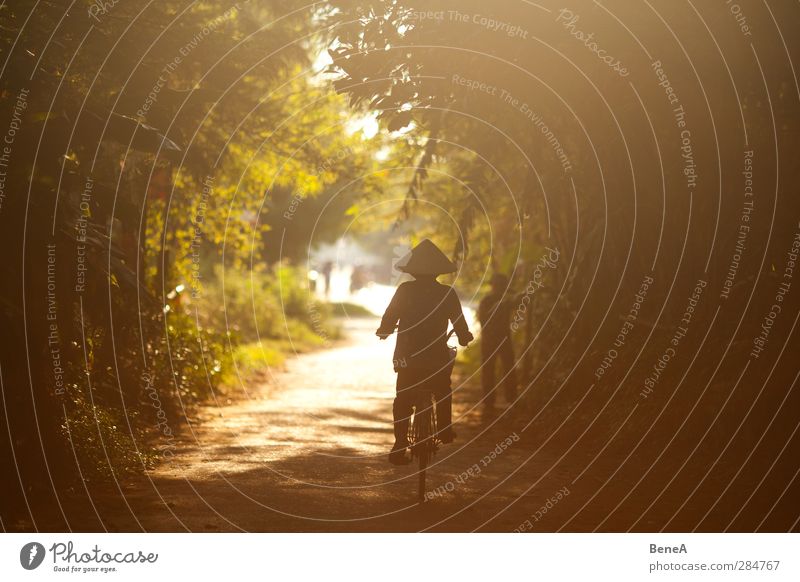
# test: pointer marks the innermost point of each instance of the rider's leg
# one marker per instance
(402, 413)
(402, 408)
(444, 406)
(397, 456)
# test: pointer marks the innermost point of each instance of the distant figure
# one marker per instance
(357, 279)
(494, 314)
(327, 268)
(423, 308)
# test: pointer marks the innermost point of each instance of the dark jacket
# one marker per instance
(423, 309)
(494, 313)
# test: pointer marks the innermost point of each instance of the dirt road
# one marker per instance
(307, 452)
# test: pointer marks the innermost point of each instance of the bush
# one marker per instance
(266, 304)
(102, 442)
(191, 354)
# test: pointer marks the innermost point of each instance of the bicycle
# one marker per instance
(423, 434)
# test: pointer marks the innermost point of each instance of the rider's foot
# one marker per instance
(398, 454)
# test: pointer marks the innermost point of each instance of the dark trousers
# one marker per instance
(491, 352)
(409, 383)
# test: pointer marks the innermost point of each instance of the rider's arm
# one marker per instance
(456, 315)
(391, 316)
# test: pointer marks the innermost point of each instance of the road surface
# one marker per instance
(307, 451)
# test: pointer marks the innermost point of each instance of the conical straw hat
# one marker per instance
(426, 259)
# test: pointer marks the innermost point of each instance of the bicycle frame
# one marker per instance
(423, 431)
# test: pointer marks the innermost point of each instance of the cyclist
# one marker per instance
(421, 310)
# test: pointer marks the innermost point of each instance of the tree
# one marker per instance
(151, 140)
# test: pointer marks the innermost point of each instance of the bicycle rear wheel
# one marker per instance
(424, 439)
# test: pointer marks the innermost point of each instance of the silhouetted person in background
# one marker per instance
(358, 279)
(423, 308)
(327, 269)
(494, 313)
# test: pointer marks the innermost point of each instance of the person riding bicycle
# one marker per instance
(421, 310)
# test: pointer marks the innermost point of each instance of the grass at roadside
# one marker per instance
(253, 360)
(346, 309)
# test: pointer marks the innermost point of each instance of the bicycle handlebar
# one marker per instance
(449, 335)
